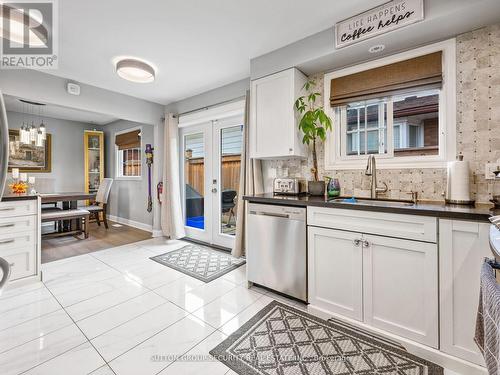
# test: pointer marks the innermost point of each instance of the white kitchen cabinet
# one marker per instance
(335, 271)
(462, 246)
(400, 287)
(20, 240)
(273, 123)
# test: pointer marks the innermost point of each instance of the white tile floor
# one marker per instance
(117, 312)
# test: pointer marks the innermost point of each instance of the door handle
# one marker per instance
(272, 214)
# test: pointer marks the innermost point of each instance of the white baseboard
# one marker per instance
(157, 233)
(131, 223)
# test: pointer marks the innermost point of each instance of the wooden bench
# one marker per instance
(74, 214)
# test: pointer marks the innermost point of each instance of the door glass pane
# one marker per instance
(194, 177)
(230, 145)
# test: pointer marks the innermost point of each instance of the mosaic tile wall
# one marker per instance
(478, 131)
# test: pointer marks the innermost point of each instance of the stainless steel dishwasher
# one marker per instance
(277, 251)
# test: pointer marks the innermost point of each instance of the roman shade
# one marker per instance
(423, 72)
(130, 139)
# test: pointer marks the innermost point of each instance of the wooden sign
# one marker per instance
(382, 19)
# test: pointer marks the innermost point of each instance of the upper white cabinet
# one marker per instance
(273, 123)
(462, 248)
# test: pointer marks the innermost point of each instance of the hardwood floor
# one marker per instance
(99, 239)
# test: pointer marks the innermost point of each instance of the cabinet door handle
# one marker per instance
(7, 225)
(366, 243)
(7, 209)
(5, 242)
(357, 241)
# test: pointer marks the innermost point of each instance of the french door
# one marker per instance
(210, 174)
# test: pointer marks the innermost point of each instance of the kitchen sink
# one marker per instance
(372, 202)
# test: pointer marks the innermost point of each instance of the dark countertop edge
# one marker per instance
(421, 211)
(11, 198)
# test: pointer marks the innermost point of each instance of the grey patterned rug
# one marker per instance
(201, 262)
(282, 340)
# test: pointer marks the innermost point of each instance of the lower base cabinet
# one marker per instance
(335, 271)
(400, 287)
(388, 283)
(463, 245)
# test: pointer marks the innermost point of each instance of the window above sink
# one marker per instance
(405, 126)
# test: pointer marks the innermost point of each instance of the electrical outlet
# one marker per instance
(490, 168)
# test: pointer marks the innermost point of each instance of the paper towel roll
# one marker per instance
(458, 184)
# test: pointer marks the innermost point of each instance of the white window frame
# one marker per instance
(118, 166)
(335, 148)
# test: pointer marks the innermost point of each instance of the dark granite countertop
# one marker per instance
(424, 208)
(18, 197)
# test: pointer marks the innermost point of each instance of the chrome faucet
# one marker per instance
(371, 170)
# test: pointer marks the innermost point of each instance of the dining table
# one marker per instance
(69, 201)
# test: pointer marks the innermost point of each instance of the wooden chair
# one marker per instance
(101, 202)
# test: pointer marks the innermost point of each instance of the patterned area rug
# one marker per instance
(202, 262)
(282, 340)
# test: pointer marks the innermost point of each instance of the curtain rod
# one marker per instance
(210, 106)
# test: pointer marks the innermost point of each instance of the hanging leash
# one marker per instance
(149, 163)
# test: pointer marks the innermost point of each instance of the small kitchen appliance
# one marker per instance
(289, 186)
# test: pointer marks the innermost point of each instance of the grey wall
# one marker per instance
(128, 198)
(67, 150)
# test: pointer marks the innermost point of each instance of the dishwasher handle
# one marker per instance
(272, 214)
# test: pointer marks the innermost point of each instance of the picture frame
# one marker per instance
(29, 158)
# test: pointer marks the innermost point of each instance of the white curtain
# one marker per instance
(172, 223)
(251, 182)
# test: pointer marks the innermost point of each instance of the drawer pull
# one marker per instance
(7, 209)
(7, 225)
(5, 242)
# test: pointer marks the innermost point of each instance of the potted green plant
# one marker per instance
(314, 124)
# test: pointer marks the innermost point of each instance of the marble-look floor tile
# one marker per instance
(80, 360)
(23, 314)
(106, 320)
(11, 290)
(244, 316)
(35, 352)
(226, 307)
(154, 354)
(104, 301)
(175, 290)
(93, 289)
(161, 246)
(19, 300)
(124, 337)
(198, 361)
(201, 295)
(104, 370)
(33, 329)
(67, 284)
(237, 276)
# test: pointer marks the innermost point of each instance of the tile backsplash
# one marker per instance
(478, 131)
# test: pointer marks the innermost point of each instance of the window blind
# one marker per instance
(423, 72)
(127, 140)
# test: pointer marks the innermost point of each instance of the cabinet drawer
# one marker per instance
(420, 228)
(16, 240)
(17, 224)
(17, 208)
(22, 261)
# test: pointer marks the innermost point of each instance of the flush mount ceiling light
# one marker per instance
(135, 70)
(14, 23)
(376, 48)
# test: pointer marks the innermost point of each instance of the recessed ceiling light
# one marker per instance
(376, 48)
(19, 21)
(135, 70)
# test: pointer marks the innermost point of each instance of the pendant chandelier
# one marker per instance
(33, 131)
